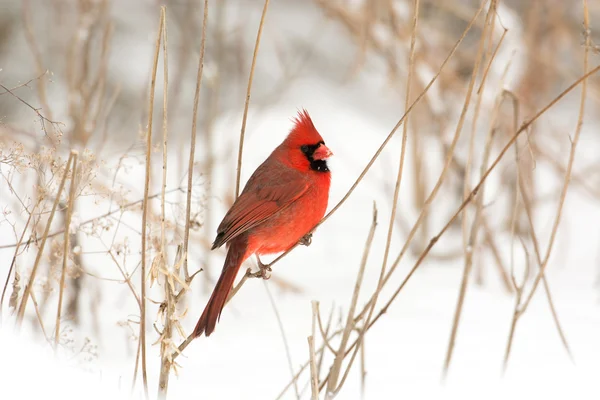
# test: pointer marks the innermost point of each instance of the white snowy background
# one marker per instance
(246, 356)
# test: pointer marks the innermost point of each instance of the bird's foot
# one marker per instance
(306, 240)
(264, 271)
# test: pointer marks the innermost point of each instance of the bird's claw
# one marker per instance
(306, 240)
(264, 271)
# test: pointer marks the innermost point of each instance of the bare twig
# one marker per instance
(29, 286)
(247, 103)
(567, 178)
(92, 220)
(470, 198)
(519, 294)
(145, 205)
(392, 221)
(14, 261)
(42, 118)
(336, 367)
(26, 84)
(188, 206)
(37, 55)
(66, 246)
(314, 377)
(469, 246)
(167, 333)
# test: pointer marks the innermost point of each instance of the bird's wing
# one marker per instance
(271, 189)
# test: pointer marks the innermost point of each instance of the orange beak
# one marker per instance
(322, 153)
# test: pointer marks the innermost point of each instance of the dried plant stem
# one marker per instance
(486, 35)
(574, 143)
(39, 63)
(247, 103)
(470, 249)
(66, 247)
(188, 205)
(469, 245)
(521, 308)
(519, 295)
(482, 180)
(314, 376)
(491, 244)
(29, 286)
(39, 317)
(92, 220)
(468, 200)
(14, 260)
(336, 366)
(392, 221)
(165, 339)
(519, 304)
(145, 206)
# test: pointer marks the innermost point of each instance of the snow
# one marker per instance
(245, 358)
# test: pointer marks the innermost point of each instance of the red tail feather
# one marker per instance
(235, 257)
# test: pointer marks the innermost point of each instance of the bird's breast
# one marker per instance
(287, 227)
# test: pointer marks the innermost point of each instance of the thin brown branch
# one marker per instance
(188, 205)
(145, 206)
(468, 200)
(567, 178)
(39, 63)
(32, 276)
(66, 246)
(336, 366)
(247, 103)
(472, 239)
(91, 220)
(169, 311)
(314, 377)
(14, 260)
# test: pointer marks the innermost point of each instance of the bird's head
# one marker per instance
(305, 147)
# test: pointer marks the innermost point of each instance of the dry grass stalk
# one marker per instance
(486, 35)
(467, 201)
(189, 278)
(519, 294)
(41, 70)
(574, 142)
(392, 221)
(521, 308)
(522, 192)
(90, 221)
(469, 245)
(169, 310)
(28, 288)
(145, 205)
(188, 206)
(445, 169)
(247, 103)
(314, 375)
(332, 384)
(13, 264)
(66, 246)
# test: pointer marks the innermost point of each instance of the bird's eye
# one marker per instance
(304, 149)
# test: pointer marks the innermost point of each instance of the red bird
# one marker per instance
(283, 200)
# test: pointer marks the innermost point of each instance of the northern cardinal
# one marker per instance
(281, 203)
